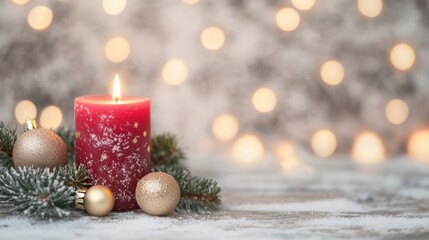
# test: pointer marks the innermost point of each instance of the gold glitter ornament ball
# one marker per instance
(40, 148)
(158, 193)
(97, 201)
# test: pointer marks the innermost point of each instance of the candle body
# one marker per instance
(113, 143)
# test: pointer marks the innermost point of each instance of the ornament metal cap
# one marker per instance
(79, 198)
(30, 124)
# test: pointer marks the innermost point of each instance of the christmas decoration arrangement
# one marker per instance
(39, 176)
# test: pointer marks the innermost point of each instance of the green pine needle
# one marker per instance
(197, 194)
(36, 192)
(7, 140)
(165, 151)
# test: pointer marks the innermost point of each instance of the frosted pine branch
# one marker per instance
(197, 194)
(41, 192)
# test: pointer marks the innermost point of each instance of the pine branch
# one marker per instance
(7, 140)
(76, 177)
(197, 194)
(166, 151)
(41, 192)
(68, 136)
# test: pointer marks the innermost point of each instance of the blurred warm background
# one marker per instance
(244, 78)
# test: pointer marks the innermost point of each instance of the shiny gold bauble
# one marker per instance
(97, 201)
(158, 193)
(40, 148)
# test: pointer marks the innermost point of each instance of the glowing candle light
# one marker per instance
(370, 8)
(324, 143)
(117, 49)
(332, 72)
(174, 72)
(247, 149)
(51, 117)
(40, 17)
(225, 127)
(303, 4)
(418, 145)
(396, 111)
(287, 19)
(264, 100)
(368, 148)
(113, 142)
(402, 56)
(24, 110)
(114, 7)
(213, 38)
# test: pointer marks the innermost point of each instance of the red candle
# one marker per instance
(113, 142)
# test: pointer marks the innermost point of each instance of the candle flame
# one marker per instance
(116, 89)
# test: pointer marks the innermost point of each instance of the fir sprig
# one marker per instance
(68, 136)
(197, 194)
(40, 192)
(7, 140)
(165, 151)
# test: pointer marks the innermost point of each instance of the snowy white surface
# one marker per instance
(337, 200)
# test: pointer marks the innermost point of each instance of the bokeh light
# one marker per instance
(24, 110)
(20, 2)
(396, 111)
(332, 72)
(324, 143)
(174, 72)
(247, 149)
(287, 19)
(402, 56)
(190, 2)
(285, 150)
(368, 148)
(290, 164)
(117, 49)
(213, 38)
(264, 100)
(418, 145)
(51, 117)
(370, 8)
(225, 127)
(303, 4)
(114, 7)
(40, 17)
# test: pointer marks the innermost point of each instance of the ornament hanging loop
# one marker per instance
(30, 124)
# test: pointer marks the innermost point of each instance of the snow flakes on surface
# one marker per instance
(330, 205)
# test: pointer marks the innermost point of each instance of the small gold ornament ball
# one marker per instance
(98, 201)
(39, 148)
(158, 193)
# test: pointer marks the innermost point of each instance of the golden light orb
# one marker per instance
(402, 56)
(213, 38)
(368, 148)
(303, 4)
(396, 111)
(370, 8)
(174, 72)
(264, 100)
(324, 143)
(285, 150)
(332, 72)
(190, 2)
(51, 117)
(20, 2)
(418, 145)
(24, 110)
(40, 17)
(225, 127)
(287, 19)
(247, 149)
(114, 7)
(117, 49)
